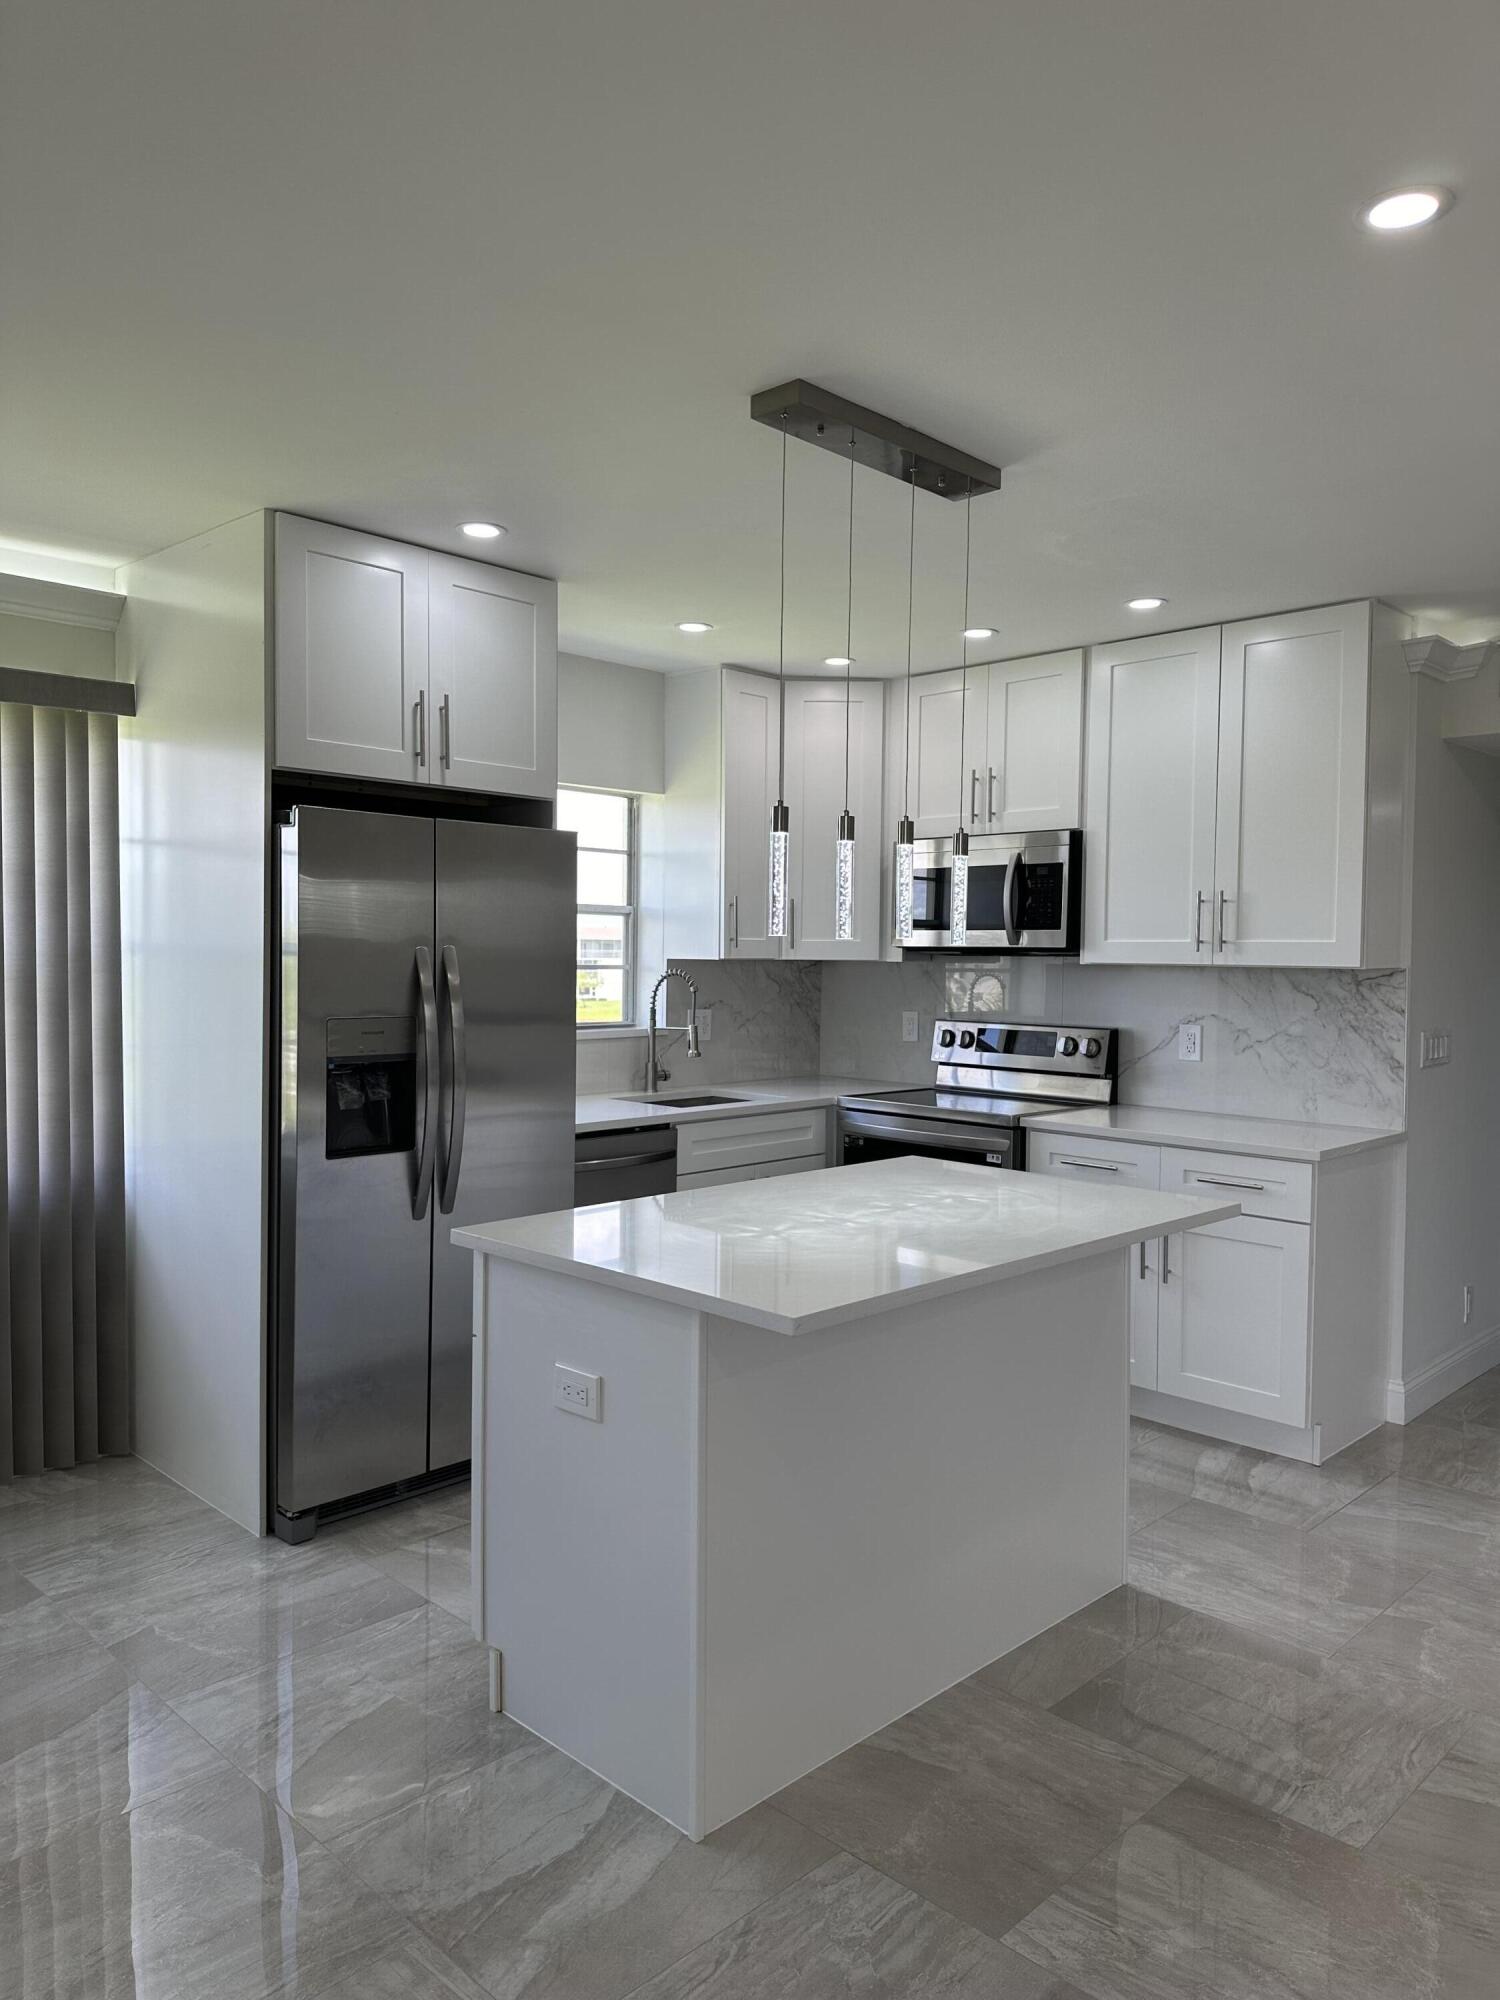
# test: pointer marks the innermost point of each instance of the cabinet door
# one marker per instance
(1289, 853)
(815, 794)
(948, 751)
(1153, 734)
(351, 654)
(1033, 770)
(751, 736)
(494, 678)
(1234, 1311)
(1102, 1163)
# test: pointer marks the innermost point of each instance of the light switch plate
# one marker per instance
(908, 1027)
(705, 1024)
(581, 1395)
(1190, 1041)
(1434, 1048)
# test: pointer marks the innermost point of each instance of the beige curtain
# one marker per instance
(64, 1334)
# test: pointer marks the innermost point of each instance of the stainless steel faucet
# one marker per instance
(656, 1075)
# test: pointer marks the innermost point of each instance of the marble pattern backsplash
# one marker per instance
(1320, 1045)
(767, 1022)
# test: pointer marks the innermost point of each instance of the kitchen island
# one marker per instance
(826, 1445)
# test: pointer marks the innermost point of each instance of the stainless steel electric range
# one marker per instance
(990, 1076)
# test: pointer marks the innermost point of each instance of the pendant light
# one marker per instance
(958, 911)
(781, 819)
(843, 910)
(906, 833)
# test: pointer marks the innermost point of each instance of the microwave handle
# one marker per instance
(1012, 890)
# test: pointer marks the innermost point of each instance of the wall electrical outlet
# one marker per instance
(1433, 1049)
(579, 1394)
(908, 1027)
(705, 1024)
(1190, 1042)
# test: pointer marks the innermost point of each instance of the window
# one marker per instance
(605, 825)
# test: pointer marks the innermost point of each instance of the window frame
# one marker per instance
(629, 911)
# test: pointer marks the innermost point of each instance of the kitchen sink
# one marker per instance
(686, 1101)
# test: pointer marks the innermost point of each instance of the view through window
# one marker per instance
(605, 825)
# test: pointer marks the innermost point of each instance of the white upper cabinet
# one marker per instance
(815, 794)
(399, 663)
(351, 654)
(947, 749)
(751, 718)
(1033, 764)
(493, 688)
(1245, 797)
(1289, 848)
(722, 732)
(1153, 733)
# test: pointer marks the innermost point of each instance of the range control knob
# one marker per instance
(966, 1039)
(1069, 1045)
(1092, 1046)
(946, 1039)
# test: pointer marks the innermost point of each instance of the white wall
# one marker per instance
(1453, 1111)
(609, 725)
(193, 808)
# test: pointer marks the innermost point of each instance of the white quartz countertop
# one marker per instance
(812, 1250)
(619, 1110)
(1213, 1131)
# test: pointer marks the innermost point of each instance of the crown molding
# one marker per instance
(60, 603)
(1441, 660)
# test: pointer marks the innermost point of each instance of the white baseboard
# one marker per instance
(1409, 1398)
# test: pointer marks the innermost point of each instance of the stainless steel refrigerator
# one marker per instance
(426, 1023)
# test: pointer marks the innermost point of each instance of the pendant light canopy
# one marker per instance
(843, 908)
(906, 833)
(781, 818)
(958, 912)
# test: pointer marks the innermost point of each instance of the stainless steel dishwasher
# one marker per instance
(621, 1165)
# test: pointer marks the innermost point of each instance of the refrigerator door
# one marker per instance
(506, 946)
(355, 1175)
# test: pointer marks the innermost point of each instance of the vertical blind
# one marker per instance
(64, 1330)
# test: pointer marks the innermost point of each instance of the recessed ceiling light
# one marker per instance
(1145, 604)
(979, 632)
(1408, 208)
(694, 625)
(483, 531)
(838, 660)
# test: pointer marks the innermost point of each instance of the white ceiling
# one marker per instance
(402, 265)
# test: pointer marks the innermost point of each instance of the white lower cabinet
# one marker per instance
(1272, 1328)
(755, 1146)
(1234, 1305)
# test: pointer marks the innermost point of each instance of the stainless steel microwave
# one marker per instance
(1025, 893)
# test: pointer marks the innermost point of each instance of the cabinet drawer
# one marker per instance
(808, 1163)
(1104, 1162)
(1281, 1189)
(717, 1177)
(709, 1144)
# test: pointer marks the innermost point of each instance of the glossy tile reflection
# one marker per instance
(1270, 1766)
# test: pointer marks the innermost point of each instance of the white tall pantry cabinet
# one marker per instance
(1244, 794)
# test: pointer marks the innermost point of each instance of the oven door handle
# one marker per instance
(1012, 899)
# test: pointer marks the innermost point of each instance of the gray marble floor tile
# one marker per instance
(1068, 1654)
(1148, 1501)
(1209, 1899)
(14, 1589)
(52, 1676)
(432, 1559)
(1270, 1579)
(1441, 1638)
(1273, 1724)
(345, 1732)
(403, 1522)
(1252, 1482)
(58, 1510)
(410, 1969)
(1478, 1402)
(1447, 1837)
(1449, 1452)
(1411, 1521)
(845, 1930)
(981, 1803)
(209, 1891)
(117, 1747)
(538, 1878)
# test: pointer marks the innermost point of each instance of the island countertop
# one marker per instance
(805, 1251)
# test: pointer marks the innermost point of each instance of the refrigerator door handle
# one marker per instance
(422, 1192)
(458, 1067)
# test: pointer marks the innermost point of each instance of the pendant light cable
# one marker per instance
(843, 910)
(781, 819)
(903, 871)
(958, 890)
(849, 624)
(911, 581)
(781, 634)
